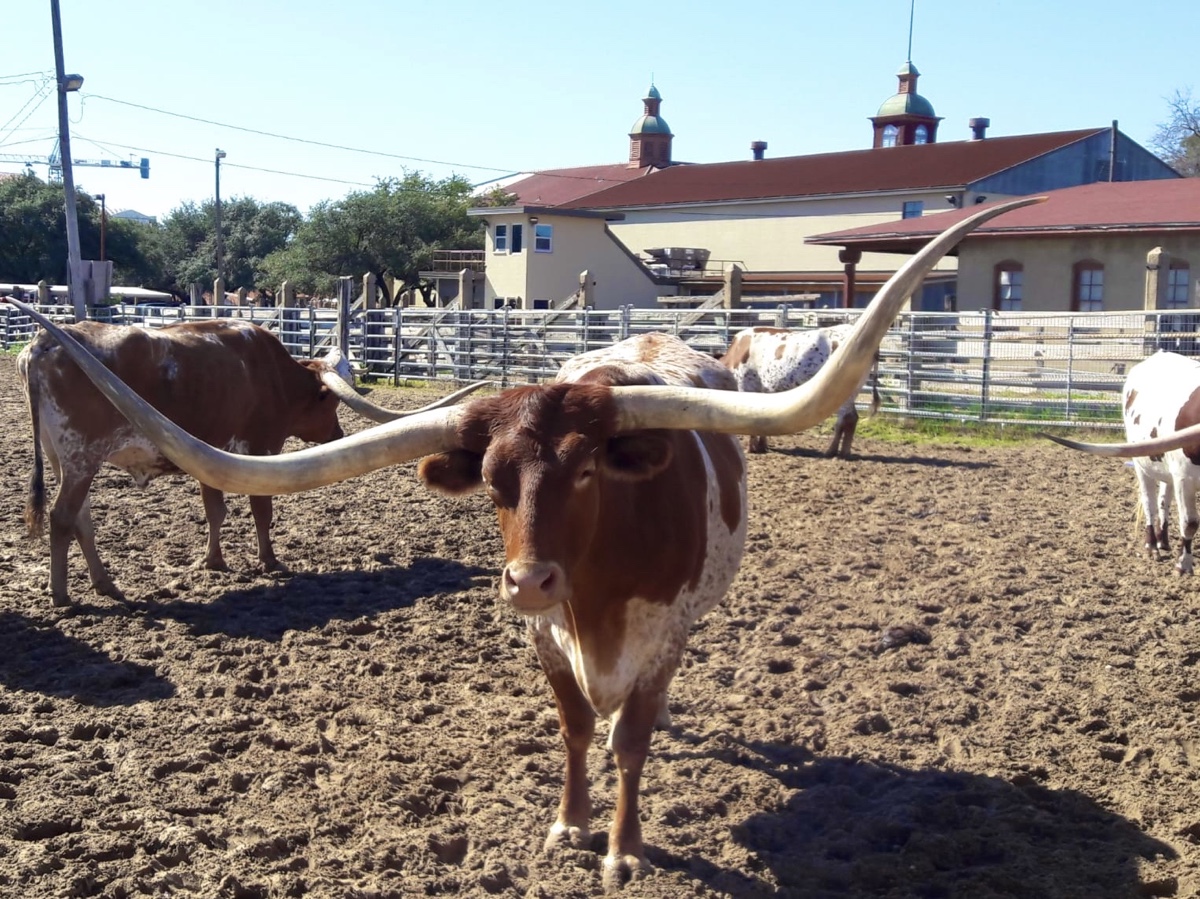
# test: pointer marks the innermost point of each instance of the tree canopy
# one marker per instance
(390, 231)
(1178, 139)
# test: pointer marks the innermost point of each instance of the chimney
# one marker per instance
(979, 128)
(758, 148)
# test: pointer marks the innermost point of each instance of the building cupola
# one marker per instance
(650, 136)
(906, 117)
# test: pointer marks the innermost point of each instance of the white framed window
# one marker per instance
(1010, 286)
(1089, 287)
(1178, 278)
(913, 209)
(921, 135)
(517, 244)
(500, 239)
(543, 238)
(890, 134)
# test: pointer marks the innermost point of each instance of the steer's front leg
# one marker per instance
(577, 725)
(630, 742)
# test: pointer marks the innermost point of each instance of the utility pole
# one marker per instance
(65, 85)
(103, 223)
(217, 215)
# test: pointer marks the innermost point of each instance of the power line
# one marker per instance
(298, 140)
(506, 172)
(208, 161)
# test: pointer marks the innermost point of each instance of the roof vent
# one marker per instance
(979, 128)
(758, 148)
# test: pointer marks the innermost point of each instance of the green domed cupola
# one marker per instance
(906, 117)
(650, 136)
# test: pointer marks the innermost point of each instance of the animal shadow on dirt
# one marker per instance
(43, 660)
(305, 602)
(926, 461)
(858, 828)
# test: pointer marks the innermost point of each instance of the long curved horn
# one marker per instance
(380, 415)
(812, 402)
(378, 447)
(1153, 447)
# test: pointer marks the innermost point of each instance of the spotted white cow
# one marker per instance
(1161, 409)
(771, 360)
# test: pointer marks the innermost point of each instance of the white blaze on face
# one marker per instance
(655, 633)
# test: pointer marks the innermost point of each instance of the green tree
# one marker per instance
(252, 231)
(33, 236)
(390, 231)
(1177, 140)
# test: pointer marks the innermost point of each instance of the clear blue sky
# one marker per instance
(482, 89)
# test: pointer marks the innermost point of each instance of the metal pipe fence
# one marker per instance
(987, 367)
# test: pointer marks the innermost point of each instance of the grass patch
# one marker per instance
(897, 429)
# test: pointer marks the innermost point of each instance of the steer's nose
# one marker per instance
(533, 587)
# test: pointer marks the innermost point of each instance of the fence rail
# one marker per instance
(990, 367)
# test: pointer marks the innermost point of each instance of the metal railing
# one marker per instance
(993, 367)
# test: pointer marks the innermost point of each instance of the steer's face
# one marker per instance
(547, 457)
(315, 417)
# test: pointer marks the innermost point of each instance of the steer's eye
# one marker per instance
(585, 475)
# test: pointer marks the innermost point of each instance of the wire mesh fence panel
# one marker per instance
(992, 367)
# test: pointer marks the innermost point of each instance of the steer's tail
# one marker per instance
(35, 502)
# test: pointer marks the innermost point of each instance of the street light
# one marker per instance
(217, 215)
(71, 83)
(103, 223)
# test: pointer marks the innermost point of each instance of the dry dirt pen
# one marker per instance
(942, 672)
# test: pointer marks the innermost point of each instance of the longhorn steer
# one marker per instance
(623, 520)
(1161, 408)
(771, 360)
(230, 383)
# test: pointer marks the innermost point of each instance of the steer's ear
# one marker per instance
(458, 471)
(637, 457)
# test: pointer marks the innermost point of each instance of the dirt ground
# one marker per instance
(942, 672)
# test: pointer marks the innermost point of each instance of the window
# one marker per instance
(921, 135)
(1088, 294)
(500, 239)
(518, 239)
(1178, 278)
(890, 133)
(1010, 287)
(543, 238)
(913, 209)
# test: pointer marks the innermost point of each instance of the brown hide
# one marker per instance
(616, 536)
(220, 381)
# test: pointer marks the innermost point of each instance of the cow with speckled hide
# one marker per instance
(770, 360)
(229, 382)
(620, 492)
(1161, 402)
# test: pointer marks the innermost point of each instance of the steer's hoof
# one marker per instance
(562, 835)
(107, 588)
(60, 601)
(620, 869)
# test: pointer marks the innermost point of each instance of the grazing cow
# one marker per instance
(1161, 402)
(621, 502)
(770, 360)
(229, 382)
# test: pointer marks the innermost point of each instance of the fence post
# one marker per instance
(587, 320)
(625, 317)
(397, 343)
(910, 365)
(345, 294)
(312, 332)
(432, 332)
(504, 346)
(1070, 362)
(987, 364)
(781, 316)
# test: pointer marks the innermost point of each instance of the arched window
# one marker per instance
(1009, 286)
(1179, 278)
(1087, 293)
(921, 135)
(890, 134)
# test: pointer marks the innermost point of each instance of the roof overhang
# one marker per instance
(539, 211)
(910, 242)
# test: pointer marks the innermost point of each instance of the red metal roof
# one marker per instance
(924, 167)
(1171, 204)
(556, 187)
